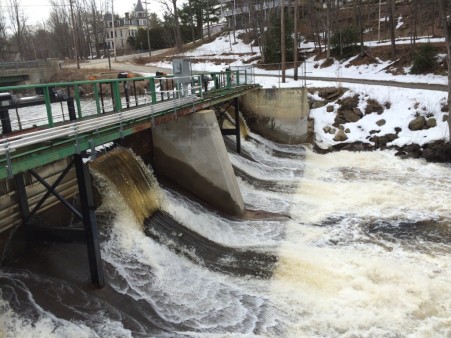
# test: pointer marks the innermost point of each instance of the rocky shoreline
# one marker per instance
(348, 112)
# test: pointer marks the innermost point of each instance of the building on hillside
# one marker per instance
(124, 27)
(238, 12)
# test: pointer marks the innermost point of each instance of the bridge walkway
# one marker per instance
(116, 109)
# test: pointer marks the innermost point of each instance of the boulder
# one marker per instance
(380, 123)
(341, 136)
(372, 106)
(339, 120)
(431, 123)
(347, 130)
(330, 109)
(417, 123)
(397, 130)
(445, 118)
(351, 116)
(318, 104)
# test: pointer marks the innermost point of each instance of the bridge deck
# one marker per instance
(24, 150)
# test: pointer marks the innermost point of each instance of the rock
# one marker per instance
(341, 127)
(418, 123)
(341, 136)
(391, 137)
(372, 106)
(318, 104)
(332, 131)
(445, 118)
(380, 123)
(400, 153)
(428, 154)
(412, 148)
(372, 132)
(330, 109)
(347, 130)
(339, 120)
(431, 123)
(381, 141)
(326, 129)
(397, 130)
(349, 102)
(358, 112)
(350, 116)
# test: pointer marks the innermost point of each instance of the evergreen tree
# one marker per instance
(271, 48)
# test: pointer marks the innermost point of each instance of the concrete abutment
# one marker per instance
(279, 114)
(191, 152)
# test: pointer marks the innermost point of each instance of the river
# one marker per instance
(337, 245)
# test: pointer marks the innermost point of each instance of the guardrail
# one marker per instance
(20, 65)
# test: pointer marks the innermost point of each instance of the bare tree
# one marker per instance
(173, 11)
(446, 21)
(3, 36)
(18, 25)
(59, 26)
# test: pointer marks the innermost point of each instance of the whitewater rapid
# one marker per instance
(362, 242)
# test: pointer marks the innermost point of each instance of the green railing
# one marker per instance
(82, 115)
(43, 105)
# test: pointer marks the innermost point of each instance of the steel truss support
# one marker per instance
(89, 221)
(222, 113)
(87, 214)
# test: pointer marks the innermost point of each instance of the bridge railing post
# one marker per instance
(77, 100)
(116, 96)
(48, 106)
(152, 90)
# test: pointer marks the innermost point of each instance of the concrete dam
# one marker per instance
(185, 147)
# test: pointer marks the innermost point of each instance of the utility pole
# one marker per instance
(114, 31)
(74, 27)
(282, 38)
(148, 29)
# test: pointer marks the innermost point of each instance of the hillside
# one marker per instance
(413, 122)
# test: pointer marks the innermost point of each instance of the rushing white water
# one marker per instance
(363, 247)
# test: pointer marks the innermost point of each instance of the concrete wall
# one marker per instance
(280, 114)
(191, 152)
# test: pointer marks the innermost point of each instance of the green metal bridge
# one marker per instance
(47, 122)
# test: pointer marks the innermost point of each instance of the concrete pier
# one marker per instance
(191, 152)
(279, 114)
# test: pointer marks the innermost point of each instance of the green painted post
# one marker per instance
(238, 77)
(117, 96)
(48, 106)
(96, 97)
(152, 90)
(77, 101)
(229, 78)
(245, 76)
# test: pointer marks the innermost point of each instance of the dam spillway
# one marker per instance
(359, 249)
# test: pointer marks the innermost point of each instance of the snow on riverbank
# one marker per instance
(400, 106)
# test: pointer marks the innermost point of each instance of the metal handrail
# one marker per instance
(10, 144)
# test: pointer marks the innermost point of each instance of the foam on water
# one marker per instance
(221, 230)
(185, 295)
(335, 276)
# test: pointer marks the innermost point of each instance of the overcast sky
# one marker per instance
(37, 10)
